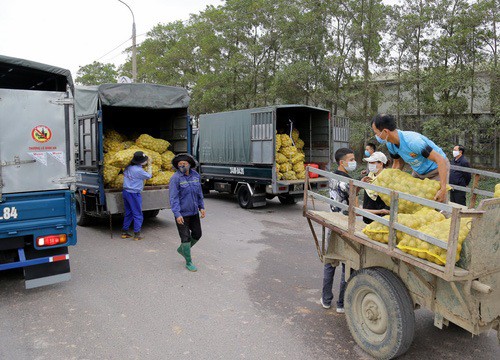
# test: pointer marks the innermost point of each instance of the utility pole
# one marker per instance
(134, 47)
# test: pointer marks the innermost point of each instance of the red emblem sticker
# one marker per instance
(413, 155)
(41, 133)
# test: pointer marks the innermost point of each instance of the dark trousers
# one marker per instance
(190, 228)
(133, 210)
(458, 197)
(328, 274)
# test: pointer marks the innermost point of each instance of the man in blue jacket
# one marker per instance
(186, 201)
(425, 158)
(459, 177)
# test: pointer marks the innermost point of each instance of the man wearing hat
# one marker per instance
(186, 201)
(133, 184)
(371, 200)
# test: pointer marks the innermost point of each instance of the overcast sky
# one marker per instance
(73, 33)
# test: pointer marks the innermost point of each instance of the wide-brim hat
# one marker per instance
(139, 158)
(377, 156)
(183, 157)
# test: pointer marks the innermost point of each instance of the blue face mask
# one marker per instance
(380, 140)
(184, 169)
(367, 154)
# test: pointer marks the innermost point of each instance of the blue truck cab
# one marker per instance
(37, 170)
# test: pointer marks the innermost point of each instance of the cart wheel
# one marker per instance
(379, 312)
(270, 196)
(82, 219)
(287, 199)
(244, 197)
(149, 214)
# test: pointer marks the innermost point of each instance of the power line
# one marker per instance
(123, 43)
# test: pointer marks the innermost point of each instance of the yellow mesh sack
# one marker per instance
(166, 160)
(288, 151)
(289, 175)
(278, 142)
(301, 175)
(110, 173)
(299, 167)
(285, 167)
(113, 145)
(295, 135)
(113, 135)
(439, 230)
(286, 140)
(280, 158)
(299, 144)
(297, 158)
(117, 183)
(161, 178)
(148, 142)
(497, 191)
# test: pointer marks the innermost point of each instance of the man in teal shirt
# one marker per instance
(425, 158)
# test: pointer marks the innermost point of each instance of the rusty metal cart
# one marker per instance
(385, 284)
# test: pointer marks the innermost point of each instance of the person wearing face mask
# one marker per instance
(371, 200)
(370, 148)
(457, 177)
(339, 191)
(186, 201)
(133, 184)
(425, 158)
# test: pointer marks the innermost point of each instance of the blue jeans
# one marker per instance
(133, 210)
(328, 274)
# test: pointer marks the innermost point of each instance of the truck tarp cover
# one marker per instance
(30, 75)
(148, 96)
(225, 138)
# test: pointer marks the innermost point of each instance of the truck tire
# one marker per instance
(244, 197)
(82, 219)
(379, 312)
(149, 214)
(287, 199)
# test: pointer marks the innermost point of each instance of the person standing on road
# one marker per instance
(458, 177)
(425, 158)
(133, 184)
(339, 191)
(186, 201)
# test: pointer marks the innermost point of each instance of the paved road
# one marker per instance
(255, 296)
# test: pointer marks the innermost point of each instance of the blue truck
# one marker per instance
(129, 109)
(37, 170)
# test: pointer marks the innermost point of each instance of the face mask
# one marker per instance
(351, 166)
(184, 169)
(372, 168)
(456, 153)
(367, 154)
(380, 140)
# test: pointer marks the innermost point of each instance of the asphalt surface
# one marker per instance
(255, 296)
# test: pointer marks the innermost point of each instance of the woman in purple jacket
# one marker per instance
(186, 201)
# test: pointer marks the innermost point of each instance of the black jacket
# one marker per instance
(459, 177)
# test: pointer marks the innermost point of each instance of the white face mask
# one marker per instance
(351, 166)
(372, 168)
(456, 153)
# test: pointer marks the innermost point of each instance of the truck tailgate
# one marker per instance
(153, 198)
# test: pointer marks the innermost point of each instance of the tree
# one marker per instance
(96, 73)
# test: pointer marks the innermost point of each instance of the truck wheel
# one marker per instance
(82, 219)
(270, 196)
(244, 197)
(287, 199)
(149, 214)
(379, 312)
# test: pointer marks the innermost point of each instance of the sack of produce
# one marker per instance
(299, 167)
(280, 158)
(113, 135)
(299, 144)
(439, 230)
(286, 140)
(110, 173)
(117, 183)
(289, 175)
(288, 151)
(161, 178)
(298, 157)
(122, 159)
(166, 160)
(301, 175)
(295, 135)
(398, 180)
(128, 144)
(286, 167)
(378, 232)
(497, 191)
(278, 142)
(113, 145)
(148, 142)
(153, 155)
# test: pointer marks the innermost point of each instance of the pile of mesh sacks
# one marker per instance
(417, 217)
(119, 151)
(290, 157)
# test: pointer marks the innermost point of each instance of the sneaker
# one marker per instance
(126, 235)
(323, 304)
(137, 236)
(340, 310)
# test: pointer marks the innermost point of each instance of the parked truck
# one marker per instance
(37, 172)
(236, 150)
(129, 109)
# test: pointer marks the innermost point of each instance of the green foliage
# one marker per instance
(96, 73)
